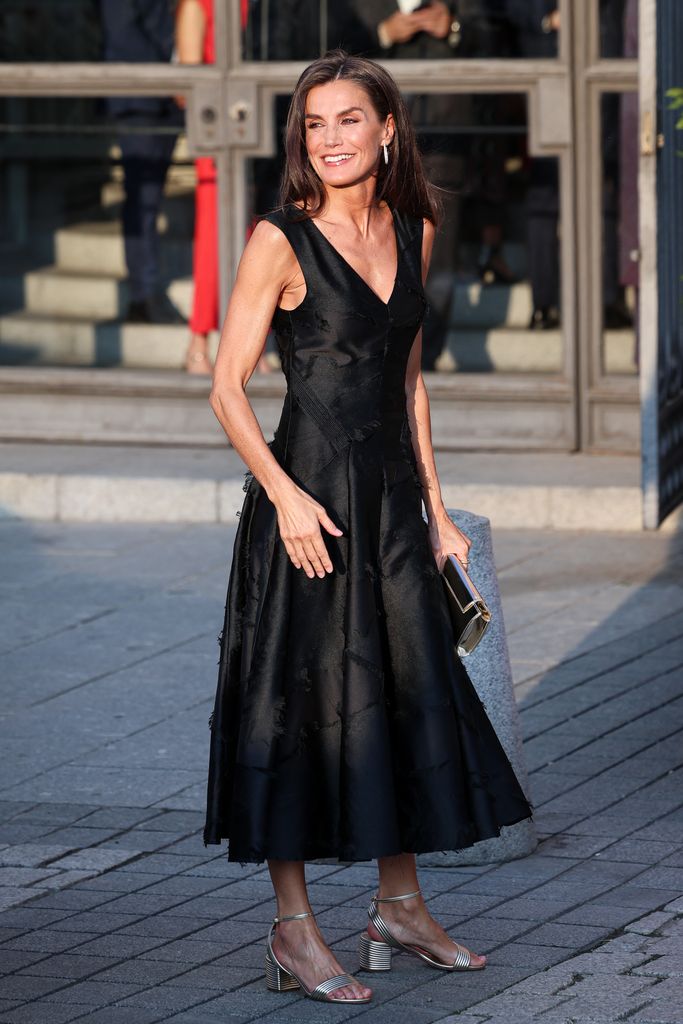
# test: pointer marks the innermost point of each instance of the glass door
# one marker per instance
(608, 248)
(535, 278)
(490, 92)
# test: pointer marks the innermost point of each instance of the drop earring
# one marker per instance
(386, 153)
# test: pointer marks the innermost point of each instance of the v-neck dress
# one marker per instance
(345, 725)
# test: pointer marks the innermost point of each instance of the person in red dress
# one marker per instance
(195, 44)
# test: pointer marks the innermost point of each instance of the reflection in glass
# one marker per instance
(619, 124)
(618, 28)
(196, 43)
(96, 232)
(493, 286)
(406, 29)
(537, 23)
(86, 30)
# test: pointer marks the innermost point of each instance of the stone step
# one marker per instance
(51, 291)
(476, 305)
(66, 340)
(97, 247)
(88, 279)
(516, 350)
(166, 407)
(94, 483)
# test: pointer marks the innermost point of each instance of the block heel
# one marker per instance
(277, 978)
(373, 955)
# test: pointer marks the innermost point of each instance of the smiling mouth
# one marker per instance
(339, 158)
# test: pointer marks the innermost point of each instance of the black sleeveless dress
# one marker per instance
(345, 725)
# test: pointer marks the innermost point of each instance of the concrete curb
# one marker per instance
(96, 498)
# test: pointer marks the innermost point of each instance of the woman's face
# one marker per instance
(343, 133)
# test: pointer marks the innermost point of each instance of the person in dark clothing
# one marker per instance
(613, 43)
(537, 23)
(302, 29)
(143, 31)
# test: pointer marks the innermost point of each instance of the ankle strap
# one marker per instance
(293, 917)
(394, 899)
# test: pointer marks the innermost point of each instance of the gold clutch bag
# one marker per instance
(469, 612)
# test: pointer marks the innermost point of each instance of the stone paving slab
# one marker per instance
(150, 925)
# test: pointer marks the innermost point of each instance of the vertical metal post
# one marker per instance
(228, 55)
(648, 312)
(584, 156)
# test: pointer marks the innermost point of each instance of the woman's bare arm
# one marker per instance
(190, 28)
(444, 534)
(418, 405)
(262, 276)
(267, 270)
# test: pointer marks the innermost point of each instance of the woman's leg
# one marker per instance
(409, 920)
(299, 945)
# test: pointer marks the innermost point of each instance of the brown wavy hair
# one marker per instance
(401, 183)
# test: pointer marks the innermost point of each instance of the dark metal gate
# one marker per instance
(670, 255)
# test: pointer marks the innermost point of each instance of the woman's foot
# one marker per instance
(410, 922)
(300, 947)
(197, 356)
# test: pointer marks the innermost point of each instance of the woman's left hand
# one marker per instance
(445, 539)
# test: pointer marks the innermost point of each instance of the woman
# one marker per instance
(344, 723)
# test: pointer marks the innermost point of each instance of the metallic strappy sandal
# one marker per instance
(376, 956)
(280, 979)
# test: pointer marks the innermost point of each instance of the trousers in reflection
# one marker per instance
(446, 171)
(543, 207)
(145, 159)
(543, 210)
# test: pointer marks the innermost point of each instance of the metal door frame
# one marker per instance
(660, 204)
(546, 83)
(649, 304)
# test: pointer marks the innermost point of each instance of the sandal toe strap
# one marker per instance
(463, 957)
(323, 990)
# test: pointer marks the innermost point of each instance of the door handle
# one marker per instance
(239, 111)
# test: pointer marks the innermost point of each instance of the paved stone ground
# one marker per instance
(117, 914)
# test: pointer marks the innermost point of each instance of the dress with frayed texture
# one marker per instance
(345, 724)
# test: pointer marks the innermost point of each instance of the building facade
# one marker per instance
(555, 293)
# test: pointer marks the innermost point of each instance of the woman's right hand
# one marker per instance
(299, 520)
